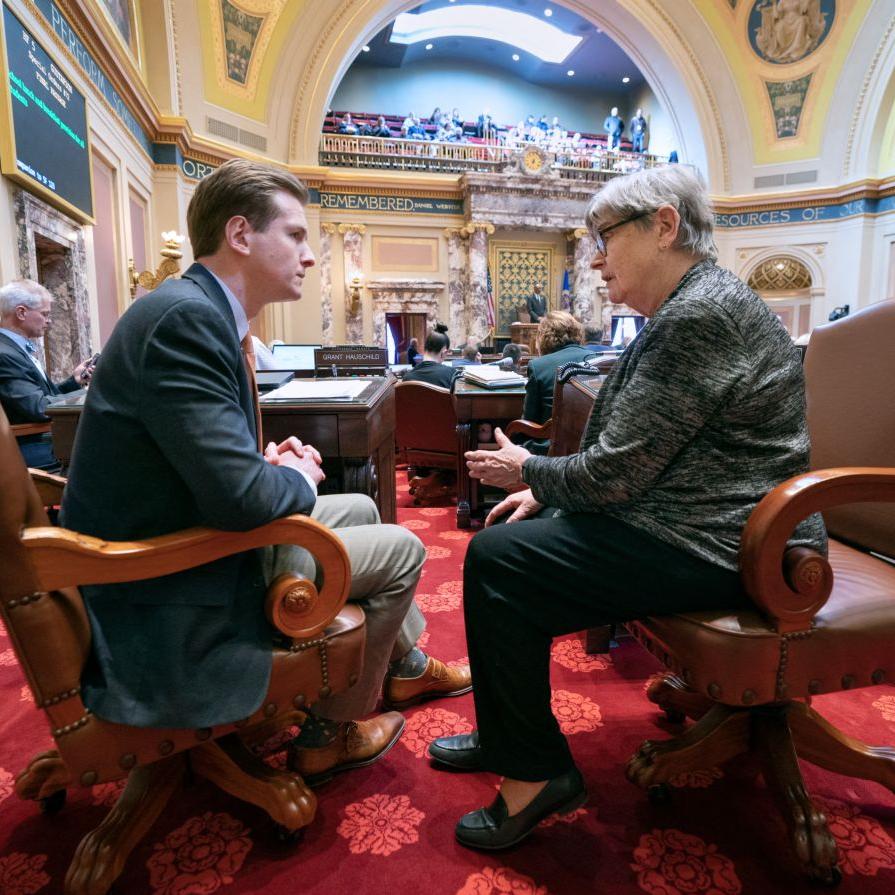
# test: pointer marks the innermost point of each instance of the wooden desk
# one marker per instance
(356, 438)
(524, 334)
(474, 405)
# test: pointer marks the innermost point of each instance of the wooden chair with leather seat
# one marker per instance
(820, 625)
(426, 437)
(320, 653)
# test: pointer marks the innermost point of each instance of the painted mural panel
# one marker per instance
(787, 99)
(240, 34)
(784, 31)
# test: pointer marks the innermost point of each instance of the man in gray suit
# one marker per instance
(537, 304)
(25, 387)
(168, 440)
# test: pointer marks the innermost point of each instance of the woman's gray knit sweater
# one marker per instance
(701, 417)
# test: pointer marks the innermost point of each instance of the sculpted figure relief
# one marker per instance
(790, 29)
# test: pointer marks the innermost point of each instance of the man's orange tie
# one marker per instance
(248, 354)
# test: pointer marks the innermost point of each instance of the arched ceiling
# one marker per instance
(741, 83)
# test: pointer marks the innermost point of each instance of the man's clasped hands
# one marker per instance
(300, 457)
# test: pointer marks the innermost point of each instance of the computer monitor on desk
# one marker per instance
(298, 358)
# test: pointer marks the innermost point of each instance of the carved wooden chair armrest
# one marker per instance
(63, 558)
(19, 429)
(529, 430)
(792, 585)
(49, 486)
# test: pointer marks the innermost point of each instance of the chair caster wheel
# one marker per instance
(54, 803)
(659, 794)
(286, 836)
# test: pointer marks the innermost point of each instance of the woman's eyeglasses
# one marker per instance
(600, 235)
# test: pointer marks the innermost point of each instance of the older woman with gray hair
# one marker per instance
(703, 414)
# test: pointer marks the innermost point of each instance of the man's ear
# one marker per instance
(236, 234)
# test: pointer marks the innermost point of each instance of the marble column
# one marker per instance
(325, 263)
(586, 300)
(60, 263)
(458, 265)
(353, 246)
(477, 283)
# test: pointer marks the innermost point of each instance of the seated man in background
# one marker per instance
(471, 356)
(169, 439)
(25, 387)
(558, 342)
(593, 339)
(431, 368)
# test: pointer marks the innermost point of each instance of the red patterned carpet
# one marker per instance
(389, 827)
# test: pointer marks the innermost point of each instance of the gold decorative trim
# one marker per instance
(140, 105)
(178, 75)
(709, 93)
(474, 226)
(576, 234)
(329, 229)
(862, 96)
(352, 228)
(363, 190)
(311, 73)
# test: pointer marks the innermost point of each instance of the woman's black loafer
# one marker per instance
(492, 828)
(461, 752)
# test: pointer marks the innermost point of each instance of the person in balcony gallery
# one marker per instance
(638, 131)
(614, 127)
(647, 517)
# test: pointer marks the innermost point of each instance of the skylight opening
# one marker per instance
(518, 29)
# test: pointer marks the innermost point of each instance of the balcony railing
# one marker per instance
(395, 154)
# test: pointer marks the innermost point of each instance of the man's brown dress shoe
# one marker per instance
(357, 744)
(437, 680)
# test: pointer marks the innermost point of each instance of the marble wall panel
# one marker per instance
(477, 290)
(352, 246)
(324, 263)
(51, 250)
(458, 264)
(586, 300)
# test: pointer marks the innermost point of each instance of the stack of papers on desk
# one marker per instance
(316, 390)
(492, 377)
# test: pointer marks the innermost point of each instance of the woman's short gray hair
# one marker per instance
(22, 292)
(644, 192)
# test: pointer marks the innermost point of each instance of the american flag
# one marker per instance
(489, 302)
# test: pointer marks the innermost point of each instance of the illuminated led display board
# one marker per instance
(44, 142)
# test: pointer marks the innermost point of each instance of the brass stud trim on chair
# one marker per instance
(848, 681)
(299, 700)
(324, 664)
(61, 697)
(203, 733)
(70, 728)
(24, 601)
(89, 778)
(165, 747)
(324, 692)
(714, 691)
(815, 686)
(126, 762)
(748, 697)
(270, 710)
(878, 676)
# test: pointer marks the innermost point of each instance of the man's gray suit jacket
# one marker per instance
(167, 441)
(24, 391)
